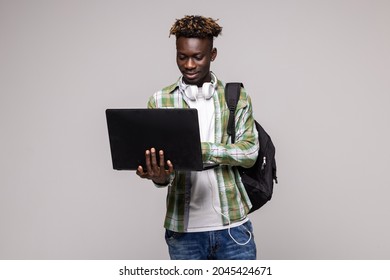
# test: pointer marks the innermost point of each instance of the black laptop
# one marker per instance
(175, 131)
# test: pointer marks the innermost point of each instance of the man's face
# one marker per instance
(193, 57)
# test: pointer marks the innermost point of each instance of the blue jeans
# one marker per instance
(212, 245)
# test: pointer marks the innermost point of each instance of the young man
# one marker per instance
(206, 214)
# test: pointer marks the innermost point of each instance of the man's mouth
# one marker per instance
(190, 76)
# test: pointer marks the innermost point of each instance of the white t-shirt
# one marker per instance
(205, 210)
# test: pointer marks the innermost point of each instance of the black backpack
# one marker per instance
(259, 179)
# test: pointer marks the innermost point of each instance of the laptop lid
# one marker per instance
(175, 131)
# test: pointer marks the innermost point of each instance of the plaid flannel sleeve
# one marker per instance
(245, 149)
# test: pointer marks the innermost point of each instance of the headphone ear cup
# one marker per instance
(208, 90)
(191, 92)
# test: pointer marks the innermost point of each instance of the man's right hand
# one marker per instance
(155, 171)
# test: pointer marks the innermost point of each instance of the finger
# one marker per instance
(161, 153)
(140, 171)
(162, 164)
(170, 167)
(147, 162)
(154, 158)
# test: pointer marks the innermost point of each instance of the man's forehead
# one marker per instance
(194, 44)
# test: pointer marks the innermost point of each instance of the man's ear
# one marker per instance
(213, 54)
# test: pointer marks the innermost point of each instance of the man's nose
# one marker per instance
(190, 64)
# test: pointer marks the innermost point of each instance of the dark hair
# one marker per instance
(195, 27)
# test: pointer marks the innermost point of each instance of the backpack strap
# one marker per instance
(232, 95)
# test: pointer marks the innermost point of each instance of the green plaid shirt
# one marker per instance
(235, 203)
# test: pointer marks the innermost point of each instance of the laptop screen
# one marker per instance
(175, 131)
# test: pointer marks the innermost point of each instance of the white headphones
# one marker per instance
(192, 92)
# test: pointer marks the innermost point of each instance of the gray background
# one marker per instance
(318, 74)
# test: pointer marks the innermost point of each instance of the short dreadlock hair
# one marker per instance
(195, 27)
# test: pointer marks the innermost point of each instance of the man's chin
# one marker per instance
(192, 82)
